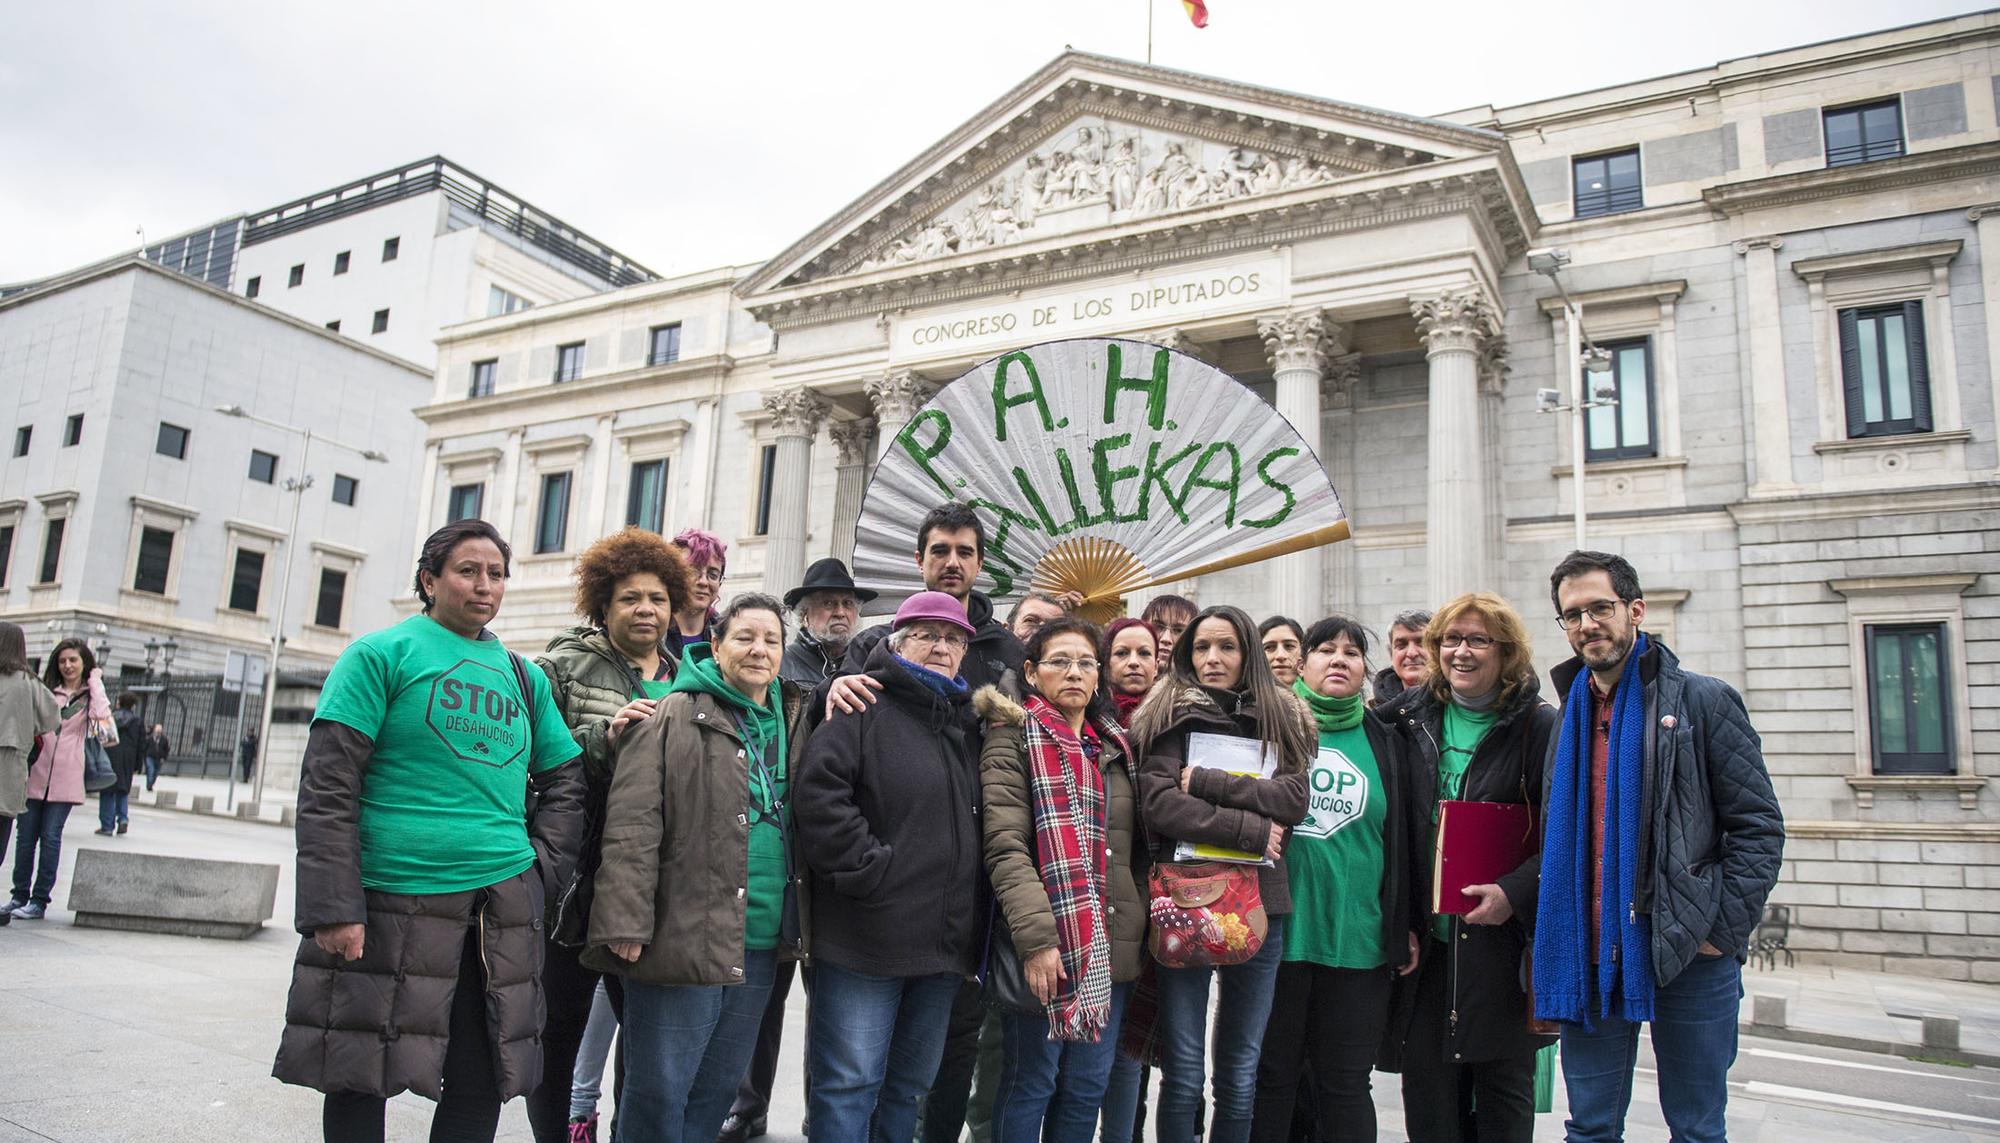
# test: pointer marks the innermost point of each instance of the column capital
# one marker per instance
(1460, 321)
(1983, 210)
(1176, 339)
(1301, 339)
(797, 411)
(850, 440)
(897, 396)
(1337, 384)
(1771, 242)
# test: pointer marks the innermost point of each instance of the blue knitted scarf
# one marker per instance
(1563, 988)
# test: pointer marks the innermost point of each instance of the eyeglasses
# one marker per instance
(1599, 612)
(1475, 642)
(709, 574)
(955, 639)
(1065, 664)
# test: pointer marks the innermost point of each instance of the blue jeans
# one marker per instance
(1694, 1043)
(40, 827)
(1059, 1082)
(152, 771)
(1244, 1010)
(1121, 1098)
(112, 806)
(685, 1048)
(872, 1051)
(587, 1077)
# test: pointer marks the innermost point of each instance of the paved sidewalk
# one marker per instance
(1875, 1011)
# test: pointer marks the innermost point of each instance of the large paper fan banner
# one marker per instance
(1101, 467)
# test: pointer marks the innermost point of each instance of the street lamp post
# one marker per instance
(296, 486)
(1585, 358)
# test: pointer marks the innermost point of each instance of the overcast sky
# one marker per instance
(690, 135)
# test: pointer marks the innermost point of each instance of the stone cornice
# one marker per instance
(1978, 159)
(163, 507)
(1895, 831)
(1616, 295)
(1916, 254)
(1904, 584)
(1850, 505)
(573, 392)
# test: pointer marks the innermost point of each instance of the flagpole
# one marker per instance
(1149, 29)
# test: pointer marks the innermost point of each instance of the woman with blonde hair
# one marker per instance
(1476, 730)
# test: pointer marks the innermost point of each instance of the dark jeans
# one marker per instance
(951, 1092)
(1439, 1098)
(688, 1046)
(753, 1095)
(1124, 1111)
(41, 826)
(1694, 1043)
(1326, 1024)
(112, 805)
(1241, 1014)
(567, 988)
(1050, 1091)
(873, 1051)
(152, 772)
(469, 1111)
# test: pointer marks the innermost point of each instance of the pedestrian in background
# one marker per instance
(55, 782)
(157, 749)
(27, 712)
(113, 802)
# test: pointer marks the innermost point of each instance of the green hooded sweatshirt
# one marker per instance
(763, 731)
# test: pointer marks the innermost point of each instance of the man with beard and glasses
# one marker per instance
(1662, 837)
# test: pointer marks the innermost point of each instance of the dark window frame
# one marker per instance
(1853, 378)
(348, 484)
(655, 353)
(380, 323)
(767, 470)
(392, 248)
(254, 585)
(341, 260)
(24, 439)
(552, 520)
(7, 534)
(339, 600)
(1944, 761)
(50, 570)
(454, 500)
(333, 326)
(1612, 199)
(154, 566)
(73, 430)
(254, 286)
(635, 488)
(270, 477)
(160, 440)
(296, 277)
(485, 375)
(1593, 452)
(569, 362)
(1867, 150)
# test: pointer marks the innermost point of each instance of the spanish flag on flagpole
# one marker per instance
(1197, 12)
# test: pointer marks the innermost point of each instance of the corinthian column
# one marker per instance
(1459, 331)
(896, 398)
(1300, 344)
(796, 415)
(850, 479)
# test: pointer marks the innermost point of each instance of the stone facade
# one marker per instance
(1368, 275)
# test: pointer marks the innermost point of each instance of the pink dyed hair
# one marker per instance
(703, 548)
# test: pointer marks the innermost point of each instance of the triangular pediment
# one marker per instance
(1091, 144)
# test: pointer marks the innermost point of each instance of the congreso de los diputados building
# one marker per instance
(1788, 267)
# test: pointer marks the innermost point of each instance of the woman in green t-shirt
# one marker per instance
(421, 876)
(1351, 928)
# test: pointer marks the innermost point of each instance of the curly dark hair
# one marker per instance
(630, 551)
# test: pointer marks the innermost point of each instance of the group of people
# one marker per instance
(979, 837)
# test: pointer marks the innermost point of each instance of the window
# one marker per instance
(482, 378)
(465, 503)
(263, 467)
(172, 441)
(552, 526)
(1864, 134)
(22, 436)
(247, 581)
(334, 325)
(767, 469)
(73, 430)
(1607, 184)
(665, 345)
(1909, 714)
(499, 301)
(646, 501)
(1624, 430)
(569, 362)
(52, 538)
(253, 287)
(298, 276)
(381, 324)
(6, 551)
(332, 597)
(340, 261)
(344, 488)
(391, 247)
(156, 556)
(1885, 370)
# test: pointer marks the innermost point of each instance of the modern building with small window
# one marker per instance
(1784, 260)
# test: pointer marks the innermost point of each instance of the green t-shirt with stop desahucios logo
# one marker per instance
(444, 797)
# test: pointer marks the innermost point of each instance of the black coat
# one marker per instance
(1712, 842)
(1486, 960)
(127, 755)
(887, 809)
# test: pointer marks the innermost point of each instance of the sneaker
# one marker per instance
(739, 1128)
(122, 826)
(32, 911)
(583, 1129)
(101, 832)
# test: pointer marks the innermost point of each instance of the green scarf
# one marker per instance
(1332, 714)
(762, 724)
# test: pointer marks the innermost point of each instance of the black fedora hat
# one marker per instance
(827, 575)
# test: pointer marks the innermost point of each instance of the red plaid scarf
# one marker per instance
(1070, 848)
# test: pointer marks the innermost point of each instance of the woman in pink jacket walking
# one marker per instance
(55, 782)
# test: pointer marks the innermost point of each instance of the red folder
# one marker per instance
(1477, 844)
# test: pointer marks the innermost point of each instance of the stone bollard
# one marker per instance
(288, 815)
(1941, 1033)
(1767, 1011)
(202, 803)
(249, 810)
(167, 800)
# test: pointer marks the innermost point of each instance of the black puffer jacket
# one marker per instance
(887, 808)
(1712, 842)
(1490, 1009)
